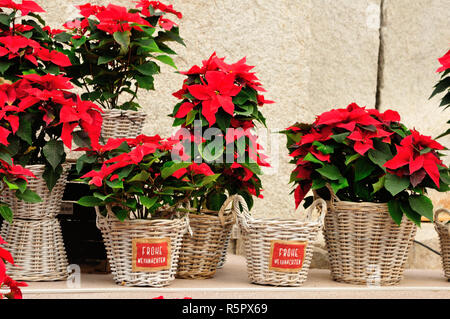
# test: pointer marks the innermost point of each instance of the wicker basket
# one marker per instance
(223, 255)
(444, 238)
(122, 124)
(51, 201)
(201, 253)
(119, 238)
(37, 248)
(365, 246)
(264, 238)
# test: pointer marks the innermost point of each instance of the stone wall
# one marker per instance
(311, 56)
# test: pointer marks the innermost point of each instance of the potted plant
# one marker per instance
(43, 116)
(5, 280)
(375, 173)
(141, 206)
(115, 51)
(27, 45)
(224, 100)
(443, 86)
(443, 229)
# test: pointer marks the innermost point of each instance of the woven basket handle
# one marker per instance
(334, 198)
(97, 217)
(323, 209)
(228, 201)
(243, 216)
(436, 217)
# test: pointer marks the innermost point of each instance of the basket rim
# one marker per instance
(346, 202)
(119, 111)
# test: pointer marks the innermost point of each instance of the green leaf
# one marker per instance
(51, 176)
(24, 131)
(363, 168)
(63, 37)
(84, 159)
(395, 211)
(168, 171)
(4, 66)
(167, 60)
(28, 196)
(78, 42)
(340, 137)
(318, 183)
(216, 200)
(325, 149)
(148, 202)
(53, 152)
(140, 177)
(146, 82)
(209, 179)
(120, 213)
(422, 205)
(395, 184)
(101, 196)
(149, 68)
(105, 59)
(441, 86)
(115, 184)
(6, 213)
(378, 185)
(330, 172)
(380, 156)
(311, 158)
(10, 185)
(351, 158)
(5, 19)
(411, 214)
(340, 184)
(90, 201)
(123, 39)
(254, 167)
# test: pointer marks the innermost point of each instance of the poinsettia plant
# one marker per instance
(5, 280)
(27, 45)
(365, 155)
(225, 100)
(40, 116)
(443, 86)
(116, 50)
(142, 178)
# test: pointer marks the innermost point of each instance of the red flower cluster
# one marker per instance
(5, 280)
(47, 94)
(445, 62)
(149, 8)
(363, 125)
(17, 46)
(323, 151)
(220, 82)
(113, 18)
(141, 146)
(416, 157)
(25, 7)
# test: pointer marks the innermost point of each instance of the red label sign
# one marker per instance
(287, 256)
(151, 254)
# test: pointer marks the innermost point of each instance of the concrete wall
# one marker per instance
(311, 55)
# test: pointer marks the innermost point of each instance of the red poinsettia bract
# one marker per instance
(417, 153)
(445, 62)
(216, 92)
(117, 19)
(25, 7)
(5, 280)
